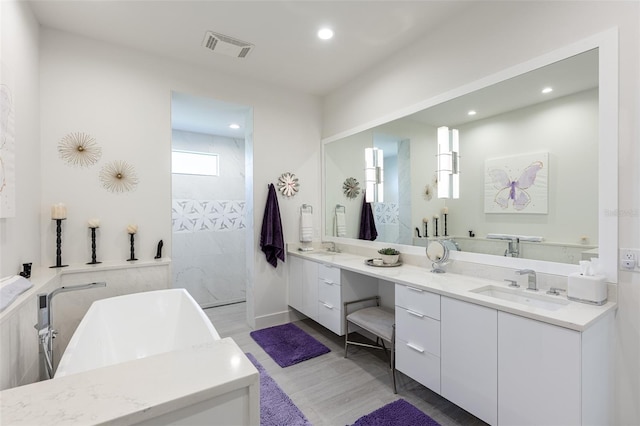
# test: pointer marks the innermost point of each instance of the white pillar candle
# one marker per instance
(132, 229)
(58, 211)
(425, 219)
(445, 210)
(435, 216)
(94, 223)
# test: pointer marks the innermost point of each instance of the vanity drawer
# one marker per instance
(418, 329)
(418, 300)
(417, 363)
(329, 292)
(329, 274)
(330, 316)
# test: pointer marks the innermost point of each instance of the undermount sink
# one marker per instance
(524, 297)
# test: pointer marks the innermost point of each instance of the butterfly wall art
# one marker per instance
(517, 184)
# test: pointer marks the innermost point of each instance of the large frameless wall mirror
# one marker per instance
(534, 150)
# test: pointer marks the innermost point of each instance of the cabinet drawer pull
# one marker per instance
(415, 348)
(415, 314)
(327, 305)
(418, 290)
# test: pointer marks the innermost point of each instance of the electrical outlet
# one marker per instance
(628, 259)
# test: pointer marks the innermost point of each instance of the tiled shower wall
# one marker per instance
(208, 218)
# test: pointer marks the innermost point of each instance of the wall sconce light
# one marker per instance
(448, 167)
(374, 175)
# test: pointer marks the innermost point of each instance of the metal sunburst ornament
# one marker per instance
(351, 188)
(118, 176)
(79, 149)
(288, 184)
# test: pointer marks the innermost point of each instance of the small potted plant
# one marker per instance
(389, 256)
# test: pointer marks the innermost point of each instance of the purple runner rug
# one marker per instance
(287, 344)
(276, 408)
(397, 413)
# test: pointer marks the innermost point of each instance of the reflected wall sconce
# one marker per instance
(448, 167)
(374, 175)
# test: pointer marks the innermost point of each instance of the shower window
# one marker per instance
(194, 163)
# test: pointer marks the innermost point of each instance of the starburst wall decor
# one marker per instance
(79, 149)
(118, 176)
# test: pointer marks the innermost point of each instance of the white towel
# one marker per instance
(341, 224)
(306, 227)
(11, 288)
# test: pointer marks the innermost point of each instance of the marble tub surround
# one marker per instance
(415, 271)
(213, 382)
(18, 339)
(19, 359)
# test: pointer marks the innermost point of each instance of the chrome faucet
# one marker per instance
(532, 283)
(46, 334)
(333, 248)
(513, 250)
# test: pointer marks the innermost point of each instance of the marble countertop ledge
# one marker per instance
(575, 316)
(133, 391)
(41, 276)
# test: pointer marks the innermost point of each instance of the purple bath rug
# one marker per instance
(276, 408)
(287, 344)
(398, 413)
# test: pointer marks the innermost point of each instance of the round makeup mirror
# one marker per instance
(438, 254)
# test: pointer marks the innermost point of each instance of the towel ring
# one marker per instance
(341, 207)
(306, 207)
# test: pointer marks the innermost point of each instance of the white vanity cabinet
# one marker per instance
(319, 291)
(539, 373)
(418, 335)
(469, 352)
(552, 375)
(330, 298)
(303, 286)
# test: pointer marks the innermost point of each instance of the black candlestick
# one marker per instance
(435, 226)
(133, 254)
(426, 234)
(58, 245)
(93, 247)
(445, 224)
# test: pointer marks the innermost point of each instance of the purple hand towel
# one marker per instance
(271, 239)
(368, 229)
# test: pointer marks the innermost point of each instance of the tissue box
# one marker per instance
(587, 288)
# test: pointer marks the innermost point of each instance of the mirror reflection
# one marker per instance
(525, 160)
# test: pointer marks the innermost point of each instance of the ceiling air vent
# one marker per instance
(226, 45)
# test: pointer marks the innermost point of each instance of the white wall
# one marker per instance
(20, 235)
(122, 98)
(494, 36)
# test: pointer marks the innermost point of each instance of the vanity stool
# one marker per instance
(378, 321)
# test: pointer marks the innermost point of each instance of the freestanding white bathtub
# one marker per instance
(125, 328)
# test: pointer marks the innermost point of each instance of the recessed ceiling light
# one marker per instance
(472, 112)
(234, 126)
(547, 90)
(325, 33)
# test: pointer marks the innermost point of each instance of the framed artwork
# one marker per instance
(517, 184)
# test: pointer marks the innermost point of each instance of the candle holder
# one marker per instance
(133, 253)
(426, 234)
(435, 226)
(58, 245)
(93, 247)
(445, 224)
(159, 250)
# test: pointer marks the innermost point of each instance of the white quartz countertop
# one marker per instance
(575, 315)
(131, 392)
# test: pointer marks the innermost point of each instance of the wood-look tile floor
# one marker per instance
(331, 390)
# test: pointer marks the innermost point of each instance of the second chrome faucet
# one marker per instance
(532, 283)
